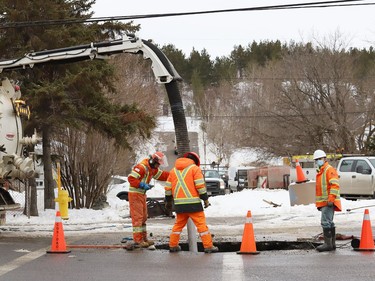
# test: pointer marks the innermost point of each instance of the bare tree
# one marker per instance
(87, 164)
(219, 134)
(135, 83)
(311, 99)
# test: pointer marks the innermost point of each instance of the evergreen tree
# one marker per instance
(63, 95)
(224, 70)
(200, 66)
(239, 57)
(178, 60)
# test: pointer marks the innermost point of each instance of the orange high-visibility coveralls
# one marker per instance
(187, 187)
(327, 187)
(141, 172)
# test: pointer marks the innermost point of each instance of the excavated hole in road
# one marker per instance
(260, 246)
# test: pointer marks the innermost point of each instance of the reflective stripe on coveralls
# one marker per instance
(144, 179)
(142, 172)
(323, 187)
(138, 210)
(136, 196)
(183, 196)
(139, 228)
(327, 186)
(181, 187)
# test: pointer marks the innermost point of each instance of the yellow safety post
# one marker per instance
(62, 196)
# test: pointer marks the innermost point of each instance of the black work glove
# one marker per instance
(330, 204)
(206, 204)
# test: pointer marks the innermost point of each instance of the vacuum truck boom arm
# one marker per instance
(162, 68)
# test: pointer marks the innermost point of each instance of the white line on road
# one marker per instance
(21, 261)
(232, 268)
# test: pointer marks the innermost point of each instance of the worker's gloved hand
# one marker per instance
(206, 204)
(144, 186)
(330, 204)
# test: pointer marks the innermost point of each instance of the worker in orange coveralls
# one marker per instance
(327, 199)
(139, 180)
(186, 187)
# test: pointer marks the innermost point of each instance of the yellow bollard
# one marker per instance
(63, 199)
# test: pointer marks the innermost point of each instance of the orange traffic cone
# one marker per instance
(367, 241)
(248, 245)
(300, 175)
(58, 240)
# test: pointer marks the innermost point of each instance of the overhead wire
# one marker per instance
(309, 5)
(276, 115)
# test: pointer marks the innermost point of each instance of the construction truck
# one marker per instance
(13, 165)
(237, 178)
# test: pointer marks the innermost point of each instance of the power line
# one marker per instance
(322, 4)
(273, 115)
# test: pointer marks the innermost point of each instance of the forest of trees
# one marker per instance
(283, 99)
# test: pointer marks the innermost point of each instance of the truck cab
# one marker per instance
(214, 183)
(356, 176)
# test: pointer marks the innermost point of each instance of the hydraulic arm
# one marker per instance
(163, 70)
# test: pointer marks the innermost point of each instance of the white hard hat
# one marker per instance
(319, 154)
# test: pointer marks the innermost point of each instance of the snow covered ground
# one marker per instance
(225, 216)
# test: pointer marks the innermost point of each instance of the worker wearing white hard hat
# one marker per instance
(319, 154)
(327, 198)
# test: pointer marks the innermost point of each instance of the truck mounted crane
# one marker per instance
(12, 108)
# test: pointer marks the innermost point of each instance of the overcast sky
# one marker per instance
(219, 33)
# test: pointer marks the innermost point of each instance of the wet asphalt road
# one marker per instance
(26, 259)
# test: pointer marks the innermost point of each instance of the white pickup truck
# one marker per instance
(356, 176)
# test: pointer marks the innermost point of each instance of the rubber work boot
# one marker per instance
(333, 229)
(174, 249)
(327, 246)
(150, 242)
(144, 244)
(210, 250)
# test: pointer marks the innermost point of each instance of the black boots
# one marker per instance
(329, 240)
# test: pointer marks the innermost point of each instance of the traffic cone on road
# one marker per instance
(300, 175)
(367, 241)
(58, 239)
(248, 245)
